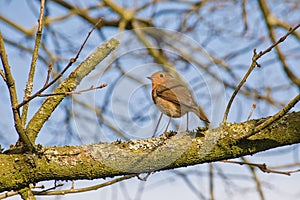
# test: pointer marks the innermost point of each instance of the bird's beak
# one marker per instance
(148, 77)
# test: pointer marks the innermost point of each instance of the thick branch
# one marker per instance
(69, 84)
(121, 158)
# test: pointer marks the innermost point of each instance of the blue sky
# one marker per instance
(124, 93)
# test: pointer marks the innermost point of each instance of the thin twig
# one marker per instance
(73, 185)
(74, 92)
(68, 84)
(3, 75)
(35, 55)
(27, 32)
(153, 51)
(52, 188)
(277, 116)
(190, 184)
(262, 167)
(100, 117)
(32, 186)
(211, 181)
(95, 187)
(294, 164)
(271, 22)
(255, 179)
(252, 110)
(8, 194)
(282, 39)
(252, 66)
(144, 178)
(50, 66)
(244, 15)
(72, 60)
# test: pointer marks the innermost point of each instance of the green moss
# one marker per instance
(137, 156)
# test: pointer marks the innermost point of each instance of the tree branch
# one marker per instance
(75, 92)
(85, 189)
(253, 65)
(278, 115)
(10, 82)
(20, 28)
(72, 60)
(69, 84)
(271, 22)
(142, 156)
(35, 55)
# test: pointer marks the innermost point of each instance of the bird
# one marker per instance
(173, 98)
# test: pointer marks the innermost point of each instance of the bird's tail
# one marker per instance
(202, 116)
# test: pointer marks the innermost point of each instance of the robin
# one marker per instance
(172, 97)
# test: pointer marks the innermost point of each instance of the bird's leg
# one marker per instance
(187, 122)
(157, 125)
(166, 133)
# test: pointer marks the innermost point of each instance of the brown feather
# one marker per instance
(170, 88)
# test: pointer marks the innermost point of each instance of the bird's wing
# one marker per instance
(175, 92)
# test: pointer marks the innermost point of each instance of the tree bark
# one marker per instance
(137, 156)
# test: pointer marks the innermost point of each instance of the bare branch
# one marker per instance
(263, 167)
(48, 74)
(3, 75)
(252, 110)
(10, 82)
(28, 33)
(143, 178)
(277, 116)
(101, 117)
(72, 60)
(35, 55)
(282, 39)
(69, 84)
(211, 181)
(272, 21)
(75, 92)
(95, 187)
(255, 179)
(8, 194)
(48, 189)
(252, 66)
(244, 15)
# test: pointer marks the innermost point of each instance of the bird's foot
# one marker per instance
(166, 134)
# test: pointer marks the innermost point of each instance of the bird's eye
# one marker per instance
(161, 75)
